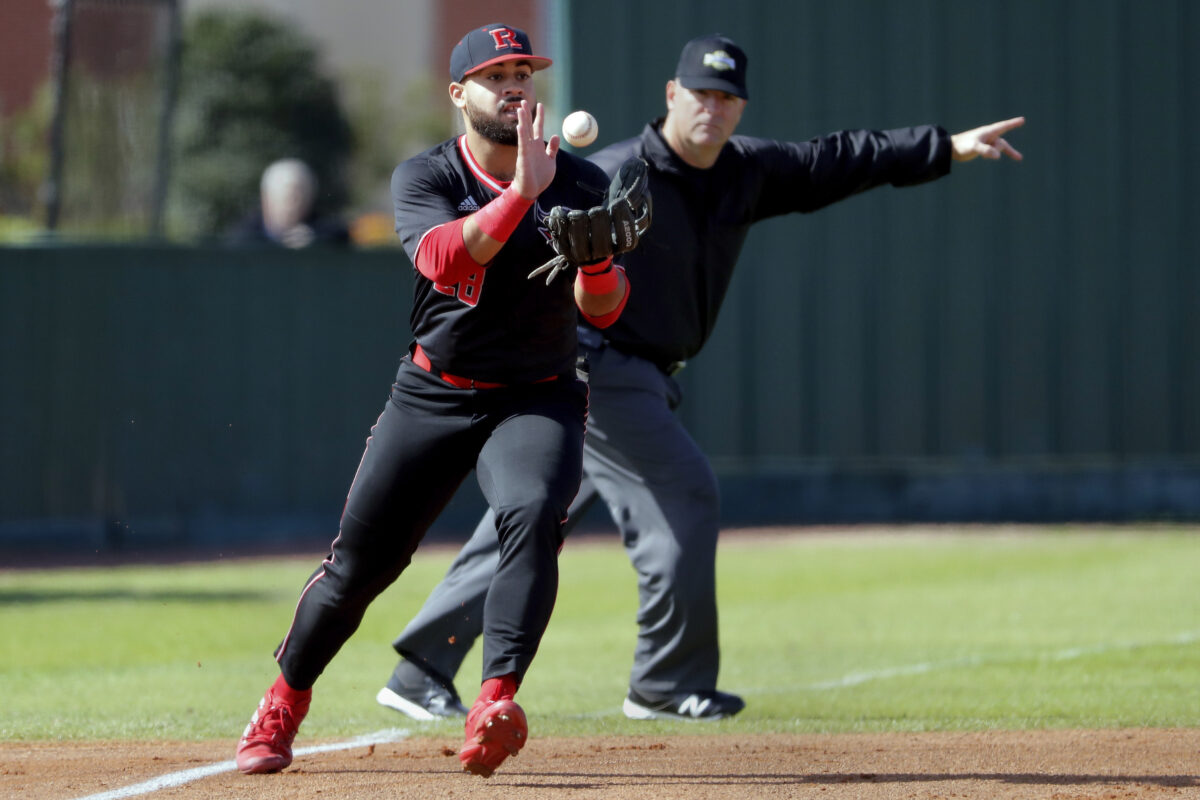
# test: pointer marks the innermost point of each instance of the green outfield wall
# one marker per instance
(157, 395)
(183, 397)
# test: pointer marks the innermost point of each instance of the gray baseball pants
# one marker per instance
(662, 494)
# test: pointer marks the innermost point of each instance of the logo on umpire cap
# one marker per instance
(713, 62)
(719, 60)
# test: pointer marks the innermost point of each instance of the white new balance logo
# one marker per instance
(469, 204)
(693, 706)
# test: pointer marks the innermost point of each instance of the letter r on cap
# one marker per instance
(504, 37)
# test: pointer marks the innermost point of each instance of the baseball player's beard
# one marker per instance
(491, 128)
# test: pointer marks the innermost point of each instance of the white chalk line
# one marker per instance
(867, 676)
(1066, 654)
(173, 779)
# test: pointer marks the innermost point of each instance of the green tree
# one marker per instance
(251, 91)
(24, 158)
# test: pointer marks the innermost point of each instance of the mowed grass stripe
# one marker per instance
(1044, 627)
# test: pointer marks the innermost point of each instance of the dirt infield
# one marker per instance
(1057, 765)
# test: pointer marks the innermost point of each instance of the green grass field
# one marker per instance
(920, 629)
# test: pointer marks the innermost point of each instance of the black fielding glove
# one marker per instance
(582, 238)
(630, 205)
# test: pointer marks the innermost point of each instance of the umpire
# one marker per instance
(709, 188)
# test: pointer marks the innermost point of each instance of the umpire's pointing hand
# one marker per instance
(535, 163)
(986, 141)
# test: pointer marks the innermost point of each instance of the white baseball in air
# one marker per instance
(580, 129)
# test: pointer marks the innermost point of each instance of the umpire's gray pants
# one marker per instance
(662, 494)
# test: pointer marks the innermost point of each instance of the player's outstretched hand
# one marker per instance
(987, 141)
(535, 159)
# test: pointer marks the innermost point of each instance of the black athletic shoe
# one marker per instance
(695, 706)
(419, 694)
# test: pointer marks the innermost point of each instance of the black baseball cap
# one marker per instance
(713, 62)
(489, 45)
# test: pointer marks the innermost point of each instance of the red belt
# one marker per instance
(421, 360)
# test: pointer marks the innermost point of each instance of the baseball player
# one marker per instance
(489, 384)
(709, 187)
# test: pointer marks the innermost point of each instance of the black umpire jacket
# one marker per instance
(681, 269)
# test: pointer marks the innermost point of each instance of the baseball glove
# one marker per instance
(581, 238)
(630, 205)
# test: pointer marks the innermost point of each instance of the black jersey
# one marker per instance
(682, 266)
(496, 325)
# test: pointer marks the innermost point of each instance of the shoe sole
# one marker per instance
(501, 729)
(387, 697)
(263, 765)
(636, 711)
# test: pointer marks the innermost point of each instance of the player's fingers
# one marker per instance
(538, 122)
(552, 146)
(524, 125)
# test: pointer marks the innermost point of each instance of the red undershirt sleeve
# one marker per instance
(442, 255)
(604, 320)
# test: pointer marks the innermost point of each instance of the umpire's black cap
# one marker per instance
(713, 62)
(489, 45)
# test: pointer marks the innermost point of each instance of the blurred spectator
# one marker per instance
(288, 217)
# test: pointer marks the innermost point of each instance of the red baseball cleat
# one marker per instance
(266, 744)
(495, 730)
